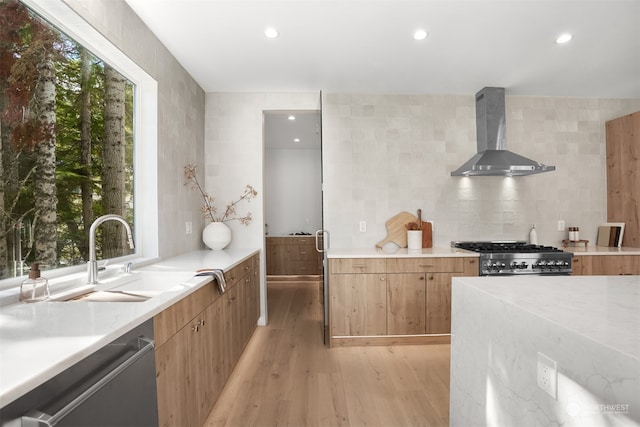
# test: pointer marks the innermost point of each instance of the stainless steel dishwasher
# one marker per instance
(116, 386)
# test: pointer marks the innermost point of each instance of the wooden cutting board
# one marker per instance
(397, 230)
(427, 234)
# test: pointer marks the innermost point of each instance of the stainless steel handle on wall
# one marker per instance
(37, 418)
(325, 240)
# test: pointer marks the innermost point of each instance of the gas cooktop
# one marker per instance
(505, 247)
(518, 257)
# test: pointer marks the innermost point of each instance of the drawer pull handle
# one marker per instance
(425, 265)
(359, 265)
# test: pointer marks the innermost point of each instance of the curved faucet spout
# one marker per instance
(92, 265)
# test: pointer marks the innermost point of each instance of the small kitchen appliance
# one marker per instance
(502, 258)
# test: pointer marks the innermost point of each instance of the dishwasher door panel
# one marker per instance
(114, 387)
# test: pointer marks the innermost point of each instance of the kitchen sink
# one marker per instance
(129, 287)
(109, 296)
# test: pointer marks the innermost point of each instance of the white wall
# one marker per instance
(234, 157)
(293, 191)
(383, 154)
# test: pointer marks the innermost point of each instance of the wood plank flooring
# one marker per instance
(287, 377)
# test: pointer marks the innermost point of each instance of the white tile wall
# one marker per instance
(384, 154)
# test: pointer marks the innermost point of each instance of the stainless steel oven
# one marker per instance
(502, 258)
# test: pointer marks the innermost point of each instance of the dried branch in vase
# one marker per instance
(209, 210)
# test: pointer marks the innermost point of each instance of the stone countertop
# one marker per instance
(40, 340)
(600, 250)
(604, 309)
(503, 327)
(399, 253)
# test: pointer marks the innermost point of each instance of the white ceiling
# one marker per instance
(364, 46)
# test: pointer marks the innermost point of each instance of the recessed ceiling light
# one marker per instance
(296, 140)
(291, 117)
(564, 38)
(271, 33)
(420, 35)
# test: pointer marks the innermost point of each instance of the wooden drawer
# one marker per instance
(417, 265)
(357, 265)
(303, 241)
(167, 323)
(303, 252)
(238, 272)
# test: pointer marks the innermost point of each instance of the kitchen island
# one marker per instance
(590, 326)
(40, 340)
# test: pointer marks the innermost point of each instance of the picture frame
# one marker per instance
(611, 234)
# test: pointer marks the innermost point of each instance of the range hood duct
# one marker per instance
(493, 159)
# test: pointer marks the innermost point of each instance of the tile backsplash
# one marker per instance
(383, 154)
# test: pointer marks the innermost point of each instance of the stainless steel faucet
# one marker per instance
(92, 265)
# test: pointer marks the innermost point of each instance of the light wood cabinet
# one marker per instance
(609, 265)
(358, 304)
(198, 342)
(623, 175)
(393, 300)
(439, 302)
(406, 297)
(293, 256)
(183, 360)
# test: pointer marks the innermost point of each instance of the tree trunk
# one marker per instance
(86, 187)
(113, 189)
(10, 186)
(4, 218)
(45, 176)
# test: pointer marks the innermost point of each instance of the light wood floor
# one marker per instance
(287, 377)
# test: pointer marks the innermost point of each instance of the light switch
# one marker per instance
(188, 227)
(363, 226)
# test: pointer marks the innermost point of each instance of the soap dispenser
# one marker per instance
(533, 235)
(35, 288)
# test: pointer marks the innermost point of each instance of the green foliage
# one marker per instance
(18, 37)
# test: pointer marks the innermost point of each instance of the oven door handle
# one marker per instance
(37, 418)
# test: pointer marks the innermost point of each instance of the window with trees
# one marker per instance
(66, 146)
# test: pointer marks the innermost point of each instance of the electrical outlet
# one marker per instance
(188, 227)
(547, 375)
(561, 225)
(363, 226)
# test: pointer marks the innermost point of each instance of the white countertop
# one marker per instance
(600, 250)
(605, 309)
(399, 253)
(40, 340)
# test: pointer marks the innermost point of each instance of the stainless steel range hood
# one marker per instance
(493, 159)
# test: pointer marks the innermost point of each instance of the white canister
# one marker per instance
(414, 239)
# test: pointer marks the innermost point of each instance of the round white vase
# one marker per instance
(216, 235)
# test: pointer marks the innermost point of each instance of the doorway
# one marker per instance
(293, 198)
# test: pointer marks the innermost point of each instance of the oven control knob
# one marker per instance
(523, 265)
(514, 265)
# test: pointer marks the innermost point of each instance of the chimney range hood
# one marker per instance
(492, 158)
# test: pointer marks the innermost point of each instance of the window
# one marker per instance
(74, 131)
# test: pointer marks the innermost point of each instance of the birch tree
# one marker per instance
(46, 201)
